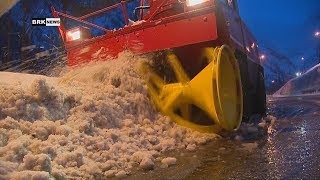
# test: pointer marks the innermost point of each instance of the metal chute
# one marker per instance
(215, 93)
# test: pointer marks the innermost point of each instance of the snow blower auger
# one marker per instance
(216, 91)
(207, 96)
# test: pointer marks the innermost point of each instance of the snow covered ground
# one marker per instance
(307, 83)
(5, 5)
(92, 122)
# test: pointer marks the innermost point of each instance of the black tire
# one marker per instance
(246, 85)
(254, 93)
(260, 96)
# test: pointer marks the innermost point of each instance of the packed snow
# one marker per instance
(169, 161)
(307, 83)
(92, 122)
(5, 5)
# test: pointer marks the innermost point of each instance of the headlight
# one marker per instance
(78, 33)
(73, 34)
(195, 2)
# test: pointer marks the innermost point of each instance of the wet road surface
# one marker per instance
(288, 149)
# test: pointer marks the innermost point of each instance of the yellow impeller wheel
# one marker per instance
(215, 92)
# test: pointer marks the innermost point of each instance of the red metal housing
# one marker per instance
(168, 24)
(152, 34)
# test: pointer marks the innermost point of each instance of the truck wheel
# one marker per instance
(248, 98)
(260, 97)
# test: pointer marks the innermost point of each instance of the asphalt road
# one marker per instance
(289, 149)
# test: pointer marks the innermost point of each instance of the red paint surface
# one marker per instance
(146, 37)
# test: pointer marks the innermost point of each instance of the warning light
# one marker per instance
(78, 33)
(73, 35)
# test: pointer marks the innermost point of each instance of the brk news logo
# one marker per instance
(45, 21)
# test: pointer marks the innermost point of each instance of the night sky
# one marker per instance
(285, 25)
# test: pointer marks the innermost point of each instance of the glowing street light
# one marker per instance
(262, 57)
(273, 81)
(298, 74)
(317, 35)
(302, 58)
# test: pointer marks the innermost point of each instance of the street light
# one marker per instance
(302, 58)
(317, 35)
(262, 57)
(298, 74)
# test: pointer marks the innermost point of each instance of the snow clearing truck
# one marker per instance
(205, 73)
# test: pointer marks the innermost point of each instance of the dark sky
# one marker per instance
(285, 25)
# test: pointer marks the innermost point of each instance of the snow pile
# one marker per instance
(5, 5)
(307, 83)
(94, 122)
(168, 161)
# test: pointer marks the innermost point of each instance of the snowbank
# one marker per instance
(307, 83)
(5, 5)
(17, 79)
(93, 122)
